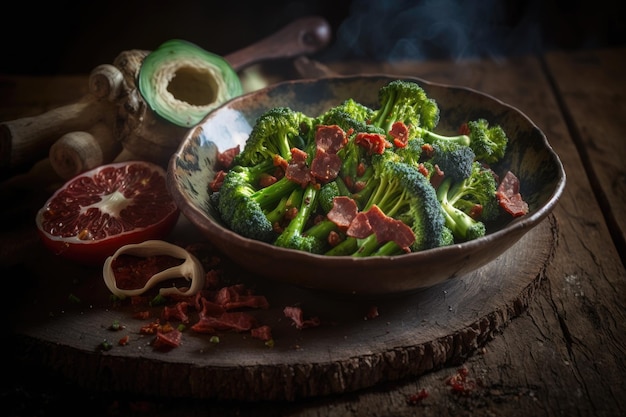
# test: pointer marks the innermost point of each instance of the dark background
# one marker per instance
(69, 37)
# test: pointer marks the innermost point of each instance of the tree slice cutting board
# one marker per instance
(66, 315)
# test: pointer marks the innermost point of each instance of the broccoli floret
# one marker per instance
(453, 159)
(275, 132)
(357, 111)
(328, 191)
(488, 142)
(412, 152)
(292, 236)
(476, 195)
(469, 203)
(243, 205)
(405, 101)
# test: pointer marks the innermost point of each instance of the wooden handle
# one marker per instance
(303, 36)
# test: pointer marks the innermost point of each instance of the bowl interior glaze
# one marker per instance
(528, 155)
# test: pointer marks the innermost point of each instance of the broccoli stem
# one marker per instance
(273, 193)
(460, 223)
(430, 137)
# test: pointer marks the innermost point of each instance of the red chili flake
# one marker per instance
(464, 129)
(416, 398)
(124, 340)
(461, 383)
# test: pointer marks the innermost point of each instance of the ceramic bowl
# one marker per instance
(529, 156)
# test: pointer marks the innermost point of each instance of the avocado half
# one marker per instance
(182, 82)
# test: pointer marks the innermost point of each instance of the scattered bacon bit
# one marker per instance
(218, 181)
(374, 143)
(476, 211)
(237, 296)
(229, 321)
(422, 169)
(150, 328)
(342, 213)
(176, 312)
(400, 133)
(297, 170)
(334, 238)
(265, 180)
(360, 169)
(330, 138)
(325, 166)
(167, 338)
(262, 332)
(509, 196)
(437, 176)
(417, 397)
(360, 226)
(461, 383)
(225, 159)
(388, 229)
(297, 316)
(280, 162)
(428, 150)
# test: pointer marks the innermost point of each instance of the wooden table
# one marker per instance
(563, 354)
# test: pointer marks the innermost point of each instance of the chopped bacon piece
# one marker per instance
(400, 133)
(210, 308)
(422, 169)
(437, 176)
(325, 166)
(428, 150)
(509, 196)
(265, 180)
(330, 138)
(334, 238)
(297, 316)
(375, 143)
(176, 312)
(360, 226)
(237, 296)
(280, 162)
(167, 339)
(262, 332)
(225, 159)
(342, 213)
(218, 180)
(476, 211)
(297, 170)
(388, 229)
(235, 321)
